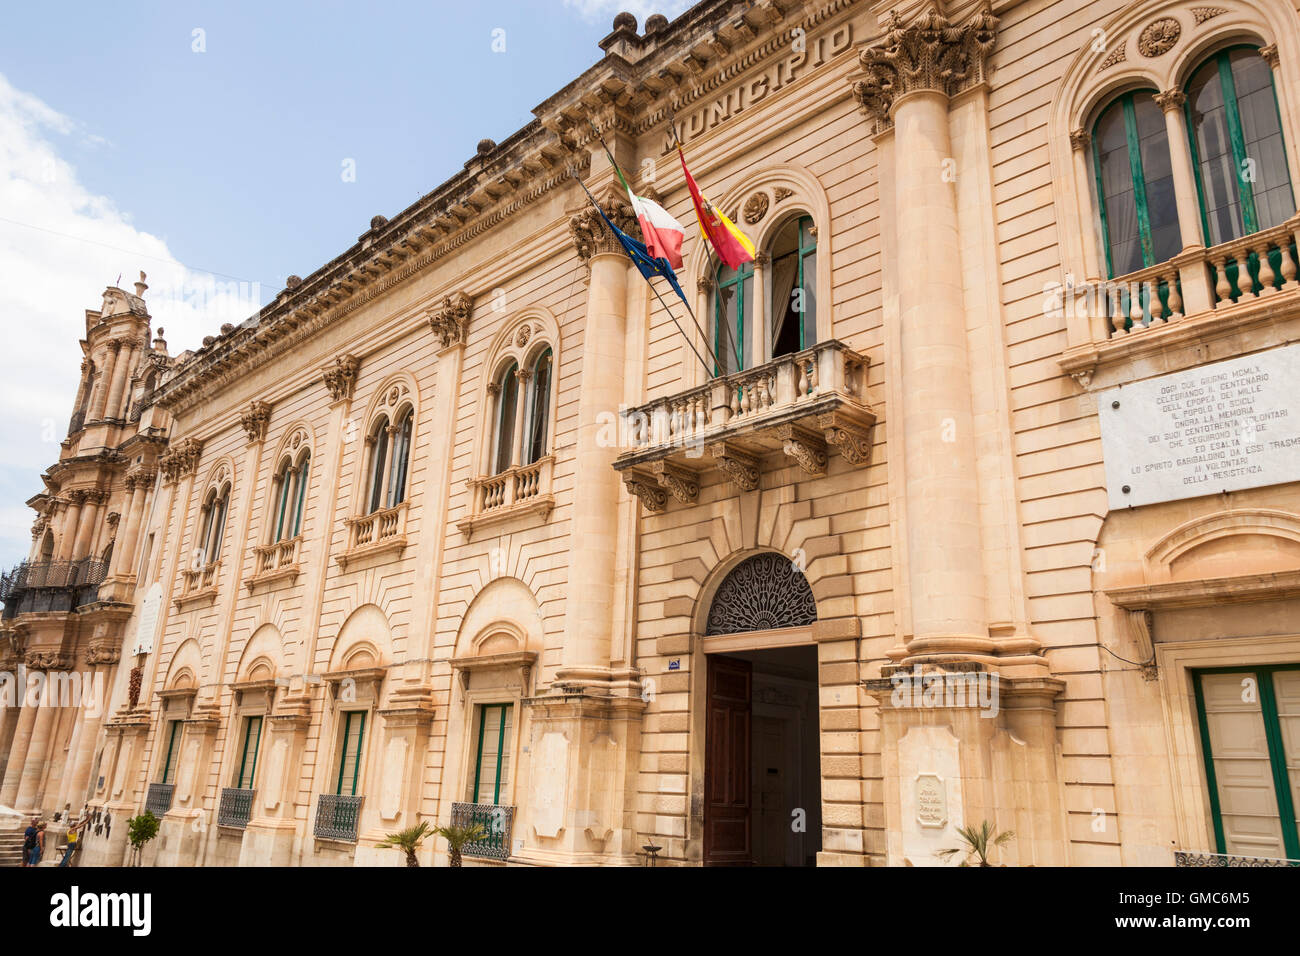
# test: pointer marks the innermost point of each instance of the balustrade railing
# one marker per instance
(278, 556)
(749, 396)
(517, 486)
(200, 579)
(337, 817)
(1200, 282)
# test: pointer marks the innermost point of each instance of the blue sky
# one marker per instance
(128, 141)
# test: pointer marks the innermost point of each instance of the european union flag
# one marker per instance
(646, 264)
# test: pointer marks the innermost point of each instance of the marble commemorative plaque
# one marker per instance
(1220, 427)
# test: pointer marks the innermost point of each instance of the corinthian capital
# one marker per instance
(450, 320)
(341, 377)
(590, 234)
(930, 53)
(255, 419)
(181, 459)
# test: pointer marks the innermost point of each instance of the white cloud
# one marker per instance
(597, 10)
(60, 245)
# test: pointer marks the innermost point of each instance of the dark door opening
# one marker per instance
(762, 773)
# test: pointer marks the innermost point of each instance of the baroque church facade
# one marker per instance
(467, 526)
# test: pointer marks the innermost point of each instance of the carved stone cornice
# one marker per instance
(592, 237)
(255, 420)
(450, 321)
(142, 477)
(930, 53)
(103, 654)
(181, 459)
(341, 377)
(48, 661)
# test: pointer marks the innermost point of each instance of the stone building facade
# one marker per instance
(466, 526)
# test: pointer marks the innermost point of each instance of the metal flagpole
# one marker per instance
(654, 290)
(704, 335)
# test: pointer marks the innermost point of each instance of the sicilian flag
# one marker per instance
(733, 246)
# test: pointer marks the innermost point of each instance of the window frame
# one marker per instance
(1136, 174)
(345, 729)
(1249, 221)
(509, 378)
(177, 727)
(536, 442)
(1263, 674)
(802, 253)
(506, 714)
(243, 753)
(746, 272)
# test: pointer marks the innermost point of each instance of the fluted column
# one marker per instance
(104, 385)
(38, 747)
(908, 80)
(86, 523)
(18, 749)
(71, 520)
(121, 370)
(593, 545)
(124, 553)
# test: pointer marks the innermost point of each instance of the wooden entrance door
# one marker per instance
(727, 812)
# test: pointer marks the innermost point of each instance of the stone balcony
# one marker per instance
(198, 584)
(276, 562)
(1198, 294)
(516, 492)
(806, 406)
(378, 533)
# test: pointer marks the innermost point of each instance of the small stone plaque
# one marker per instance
(1219, 427)
(931, 801)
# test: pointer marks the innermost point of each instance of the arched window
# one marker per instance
(539, 407)
(1135, 185)
(400, 460)
(378, 458)
(390, 459)
(1237, 147)
(794, 287)
(213, 525)
(47, 546)
(290, 495)
(507, 409)
(734, 318)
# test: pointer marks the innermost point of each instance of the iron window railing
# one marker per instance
(235, 808)
(1187, 858)
(36, 586)
(337, 816)
(497, 823)
(159, 798)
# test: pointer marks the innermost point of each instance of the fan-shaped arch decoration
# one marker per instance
(762, 593)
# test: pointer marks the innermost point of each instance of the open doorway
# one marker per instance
(762, 773)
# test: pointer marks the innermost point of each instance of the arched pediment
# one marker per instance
(1227, 543)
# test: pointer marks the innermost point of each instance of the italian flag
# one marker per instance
(662, 233)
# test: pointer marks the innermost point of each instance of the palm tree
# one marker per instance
(976, 843)
(457, 837)
(408, 841)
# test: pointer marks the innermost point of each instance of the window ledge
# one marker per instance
(270, 577)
